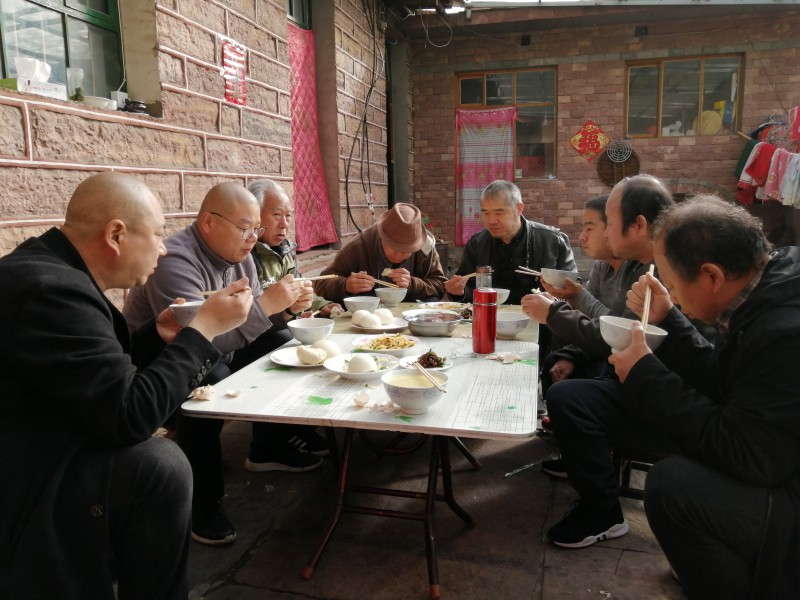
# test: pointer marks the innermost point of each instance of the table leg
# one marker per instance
(447, 480)
(430, 504)
(330, 436)
(308, 570)
(467, 454)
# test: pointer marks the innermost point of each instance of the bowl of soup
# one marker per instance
(411, 390)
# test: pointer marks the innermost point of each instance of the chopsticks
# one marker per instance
(386, 283)
(470, 275)
(647, 294)
(300, 279)
(429, 377)
(527, 271)
(317, 278)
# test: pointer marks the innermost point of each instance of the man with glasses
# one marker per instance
(206, 256)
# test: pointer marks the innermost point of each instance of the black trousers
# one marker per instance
(149, 517)
(588, 419)
(199, 438)
(711, 527)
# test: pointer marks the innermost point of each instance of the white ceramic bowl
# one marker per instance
(440, 323)
(509, 324)
(556, 277)
(502, 295)
(354, 303)
(339, 365)
(308, 331)
(616, 332)
(100, 102)
(184, 313)
(411, 391)
(390, 296)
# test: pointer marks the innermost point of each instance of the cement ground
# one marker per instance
(280, 516)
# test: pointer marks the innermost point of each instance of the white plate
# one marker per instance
(407, 362)
(287, 357)
(337, 364)
(359, 342)
(396, 325)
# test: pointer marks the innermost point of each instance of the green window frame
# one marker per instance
(689, 96)
(299, 12)
(534, 93)
(82, 34)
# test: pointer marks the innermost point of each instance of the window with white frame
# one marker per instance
(533, 92)
(687, 96)
(82, 34)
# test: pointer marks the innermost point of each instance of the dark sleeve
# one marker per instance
(576, 328)
(347, 261)
(750, 432)
(566, 260)
(428, 280)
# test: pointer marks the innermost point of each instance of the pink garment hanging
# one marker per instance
(777, 168)
(484, 153)
(313, 219)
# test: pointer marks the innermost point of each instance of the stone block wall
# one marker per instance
(590, 62)
(48, 146)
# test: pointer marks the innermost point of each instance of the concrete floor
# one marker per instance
(280, 516)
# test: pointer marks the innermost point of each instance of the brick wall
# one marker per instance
(591, 85)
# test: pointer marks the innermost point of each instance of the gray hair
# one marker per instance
(260, 188)
(505, 190)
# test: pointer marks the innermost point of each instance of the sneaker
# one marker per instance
(555, 468)
(287, 458)
(311, 442)
(211, 526)
(582, 527)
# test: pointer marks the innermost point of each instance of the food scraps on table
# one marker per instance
(504, 357)
(204, 392)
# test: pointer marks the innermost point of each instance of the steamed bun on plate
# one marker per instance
(362, 363)
(359, 315)
(330, 347)
(311, 356)
(370, 321)
(385, 315)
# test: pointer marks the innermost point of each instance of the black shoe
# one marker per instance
(286, 458)
(583, 527)
(211, 526)
(309, 441)
(555, 468)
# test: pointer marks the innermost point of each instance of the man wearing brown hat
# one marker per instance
(396, 249)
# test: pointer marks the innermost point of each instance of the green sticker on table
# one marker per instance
(285, 369)
(319, 400)
(528, 361)
(405, 418)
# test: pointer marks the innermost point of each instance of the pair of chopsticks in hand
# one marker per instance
(299, 279)
(527, 271)
(430, 377)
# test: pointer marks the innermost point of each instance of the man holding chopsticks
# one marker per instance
(397, 250)
(509, 242)
(205, 256)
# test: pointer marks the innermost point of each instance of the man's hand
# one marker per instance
(536, 306)
(329, 311)
(401, 277)
(358, 283)
(167, 325)
(562, 370)
(280, 295)
(306, 298)
(660, 303)
(624, 360)
(225, 310)
(456, 285)
(568, 292)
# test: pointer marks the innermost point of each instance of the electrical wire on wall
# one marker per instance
(361, 134)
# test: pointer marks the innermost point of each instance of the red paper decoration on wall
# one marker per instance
(590, 140)
(233, 70)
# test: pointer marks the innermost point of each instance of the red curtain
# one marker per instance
(485, 152)
(313, 219)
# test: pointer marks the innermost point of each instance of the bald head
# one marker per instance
(227, 197)
(101, 198)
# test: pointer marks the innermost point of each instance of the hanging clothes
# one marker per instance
(777, 169)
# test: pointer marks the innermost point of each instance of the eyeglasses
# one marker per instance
(246, 233)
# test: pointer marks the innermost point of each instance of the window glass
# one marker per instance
(100, 6)
(472, 90)
(33, 31)
(683, 97)
(643, 100)
(96, 51)
(533, 92)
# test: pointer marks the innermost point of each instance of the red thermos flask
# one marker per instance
(484, 320)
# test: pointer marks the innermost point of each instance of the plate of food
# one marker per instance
(430, 360)
(394, 344)
(298, 356)
(462, 308)
(361, 366)
(396, 325)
